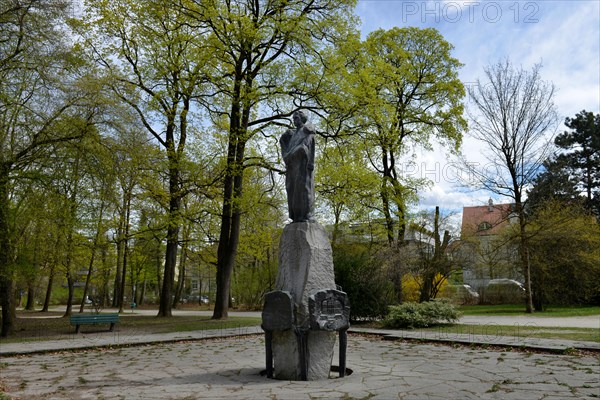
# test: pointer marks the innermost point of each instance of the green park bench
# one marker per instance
(94, 319)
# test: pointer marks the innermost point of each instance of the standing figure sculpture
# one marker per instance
(298, 150)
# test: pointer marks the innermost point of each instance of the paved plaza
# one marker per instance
(229, 368)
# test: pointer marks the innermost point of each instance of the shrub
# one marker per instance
(421, 315)
(364, 280)
(412, 284)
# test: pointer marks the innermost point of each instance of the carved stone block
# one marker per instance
(329, 310)
(278, 311)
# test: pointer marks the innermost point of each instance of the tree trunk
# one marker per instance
(6, 272)
(169, 274)
(49, 287)
(233, 184)
(427, 287)
(30, 306)
(389, 221)
(140, 300)
(104, 292)
(226, 254)
(158, 268)
(7, 302)
(182, 273)
(166, 300)
(182, 266)
(71, 288)
(117, 290)
(230, 229)
(88, 278)
(127, 204)
(397, 283)
(524, 254)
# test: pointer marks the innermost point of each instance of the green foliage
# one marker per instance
(421, 315)
(573, 175)
(251, 282)
(555, 182)
(565, 255)
(412, 286)
(346, 184)
(364, 280)
(582, 155)
(517, 309)
(391, 94)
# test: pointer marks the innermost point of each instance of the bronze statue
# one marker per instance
(298, 150)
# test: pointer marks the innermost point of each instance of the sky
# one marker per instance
(564, 36)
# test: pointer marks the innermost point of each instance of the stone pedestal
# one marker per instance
(305, 266)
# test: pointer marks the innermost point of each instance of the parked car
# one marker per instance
(504, 291)
(461, 294)
(196, 299)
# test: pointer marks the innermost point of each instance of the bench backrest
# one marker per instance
(97, 318)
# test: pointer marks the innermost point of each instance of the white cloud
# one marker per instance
(563, 35)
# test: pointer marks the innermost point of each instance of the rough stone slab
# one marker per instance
(286, 356)
(305, 267)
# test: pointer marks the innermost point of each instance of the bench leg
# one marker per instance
(112, 326)
(77, 328)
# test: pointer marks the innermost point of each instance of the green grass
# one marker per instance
(184, 323)
(522, 331)
(519, 309)
(28, 328)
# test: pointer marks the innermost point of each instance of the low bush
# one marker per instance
(421, 315)
(364, 280)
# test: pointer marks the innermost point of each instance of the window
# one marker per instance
(484, 226)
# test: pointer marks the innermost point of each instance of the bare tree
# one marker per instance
(515, 118)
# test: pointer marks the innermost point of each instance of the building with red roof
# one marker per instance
(487, 251)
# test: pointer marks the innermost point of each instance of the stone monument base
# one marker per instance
(305, 267)
(286, 355)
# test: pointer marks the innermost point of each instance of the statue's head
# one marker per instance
(299, 118)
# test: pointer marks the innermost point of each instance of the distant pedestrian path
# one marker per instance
(590, 321)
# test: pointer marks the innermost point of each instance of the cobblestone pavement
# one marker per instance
(230, 369)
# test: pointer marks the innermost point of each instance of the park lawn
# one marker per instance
(521, 331)
(519, 309)
(31, 327)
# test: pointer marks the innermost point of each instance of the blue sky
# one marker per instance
(564, 36)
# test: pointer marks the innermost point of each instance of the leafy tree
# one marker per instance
(406, 86)
(38, 108)
(256, 269)
(513, 115)
(582, 154)
(155, 63)
(347, 186)
(565, 254)
(434, 260)
(257, 47)
(364, 279)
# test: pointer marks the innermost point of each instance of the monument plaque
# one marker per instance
(329, 310)
(278, 311)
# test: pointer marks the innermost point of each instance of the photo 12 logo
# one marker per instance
(472, 11)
